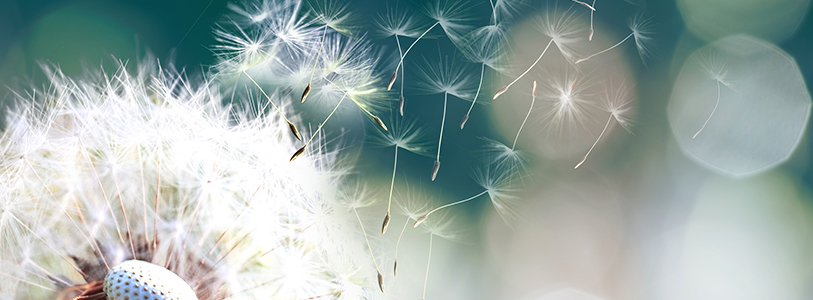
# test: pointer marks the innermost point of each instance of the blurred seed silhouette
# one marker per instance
(716, 70)
(290, 125)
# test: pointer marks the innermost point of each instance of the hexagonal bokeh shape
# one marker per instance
(739, 105)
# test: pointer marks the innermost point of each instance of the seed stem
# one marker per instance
(605, 50)
(596, 142)
(712, 111)
(504, 89)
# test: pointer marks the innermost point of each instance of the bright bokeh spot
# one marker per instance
(763, 105)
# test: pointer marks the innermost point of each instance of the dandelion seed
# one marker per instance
(291, 125)
(331, 15)
(716, 70)
(447, 77)
(449, 15)
(300, 151)
(484, 46)
(617, 102)
(641, 33)
(495, 179)
(561, 29)
(405, 135)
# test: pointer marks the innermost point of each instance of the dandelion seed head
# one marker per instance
(398, 22)
(405, 134)
(452, 15)
(642, 32)
(498, 180)
(563, 28)
(445, 76)
(150, 166)
(566, 98)
(333, 14)
(618, 101)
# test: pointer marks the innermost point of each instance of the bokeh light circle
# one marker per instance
(761, 111)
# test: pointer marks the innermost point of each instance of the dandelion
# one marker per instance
(562, 30)
(114, 173)
(505, 9)
(450, 15)
(447, 77)
(717, 71)
(404, 135)
(642, 34)
(495, 180)
(617, 102)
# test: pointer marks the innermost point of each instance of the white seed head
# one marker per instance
(135, 279)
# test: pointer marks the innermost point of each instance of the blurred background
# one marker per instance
(652, 214)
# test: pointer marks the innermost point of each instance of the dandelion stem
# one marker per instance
(479, 86)
(380, 282)
(605, 50)
(428, 262)
(712, 111)
(504, 89)
(423, 218)
(392, 185)
(533, 100)
(596, 142)
(291, 125)
(315, 61)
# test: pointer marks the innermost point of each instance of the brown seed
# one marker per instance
(499, 92)
(465, 119)
(435, 169)
(386, 224)
(395, 268)
(401, 105)
(420, 220)
(298, 153)
(294, 130)
(305, 93)
(392, 79)
(380, 123)
(380, 281)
